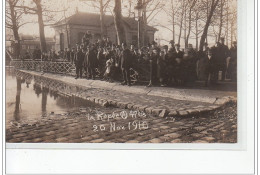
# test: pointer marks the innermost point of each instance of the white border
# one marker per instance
(240, 160)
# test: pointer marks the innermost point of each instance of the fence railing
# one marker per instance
(67, 68)
(139, 73)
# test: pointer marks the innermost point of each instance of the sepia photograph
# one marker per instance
(121, 71)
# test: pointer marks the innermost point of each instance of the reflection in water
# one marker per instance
(37, 89)
(44, 100)
(17, 99)
(30, 97)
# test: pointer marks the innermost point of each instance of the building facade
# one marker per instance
(70, 31)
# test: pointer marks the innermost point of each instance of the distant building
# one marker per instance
(75, 26)
(29, 43)
(8, 38)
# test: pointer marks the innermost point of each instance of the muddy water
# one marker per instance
(29, 100)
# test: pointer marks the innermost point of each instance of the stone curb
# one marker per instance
(176, 94)
(160, 112)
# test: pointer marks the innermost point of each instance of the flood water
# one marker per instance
(28, 100)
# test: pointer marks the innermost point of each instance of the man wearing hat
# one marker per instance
(79, 58)
(161, 65)
(125, 63)
(153, 58)
(223, 55)
(210, 67)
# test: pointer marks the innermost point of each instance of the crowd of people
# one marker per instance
(166, 65)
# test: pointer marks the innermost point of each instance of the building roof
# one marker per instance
(92, 19)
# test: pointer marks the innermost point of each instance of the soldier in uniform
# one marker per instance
(125, 63)
(79, 58)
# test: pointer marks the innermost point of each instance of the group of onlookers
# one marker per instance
(166, 66)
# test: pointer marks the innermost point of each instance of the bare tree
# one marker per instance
(191, 4)
(199, 14)
(150, 8)
(119, 23)
(213, 6)
(222, 3)
(37, 10)
(171, 10)
(183, 7)
(101, 5)
(14, 22)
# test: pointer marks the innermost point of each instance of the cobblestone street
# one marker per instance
(76, 127)
(134, 115)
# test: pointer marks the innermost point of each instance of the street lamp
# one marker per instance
(139, 8)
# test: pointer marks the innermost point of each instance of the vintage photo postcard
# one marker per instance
(121, 71)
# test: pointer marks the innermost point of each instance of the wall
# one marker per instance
(74, 31)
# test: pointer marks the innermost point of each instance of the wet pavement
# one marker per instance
(53, 111)
(86, 126)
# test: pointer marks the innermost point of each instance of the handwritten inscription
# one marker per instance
(113, 126)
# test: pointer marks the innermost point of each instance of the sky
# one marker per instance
(71, 6)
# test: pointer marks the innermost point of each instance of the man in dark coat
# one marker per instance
(171, 56)
(223, 55)
(210, 68)
(86, 39)
(90, 62)
(178, 65)
(79, 58)
(125, 63)
(101, 59)
(161, 65)
(153, 58)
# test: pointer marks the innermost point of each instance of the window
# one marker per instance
(62, 41)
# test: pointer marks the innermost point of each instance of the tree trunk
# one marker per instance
(15, 28)
(205, 31)
(182, 13)
(221, 19)
(144, 40)
(173, 22)
(227, 35)
(207, 16)
(41, 26)
(189, 29)
(119, 23)
(185, 26)
(102, 25)
(197, 31)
